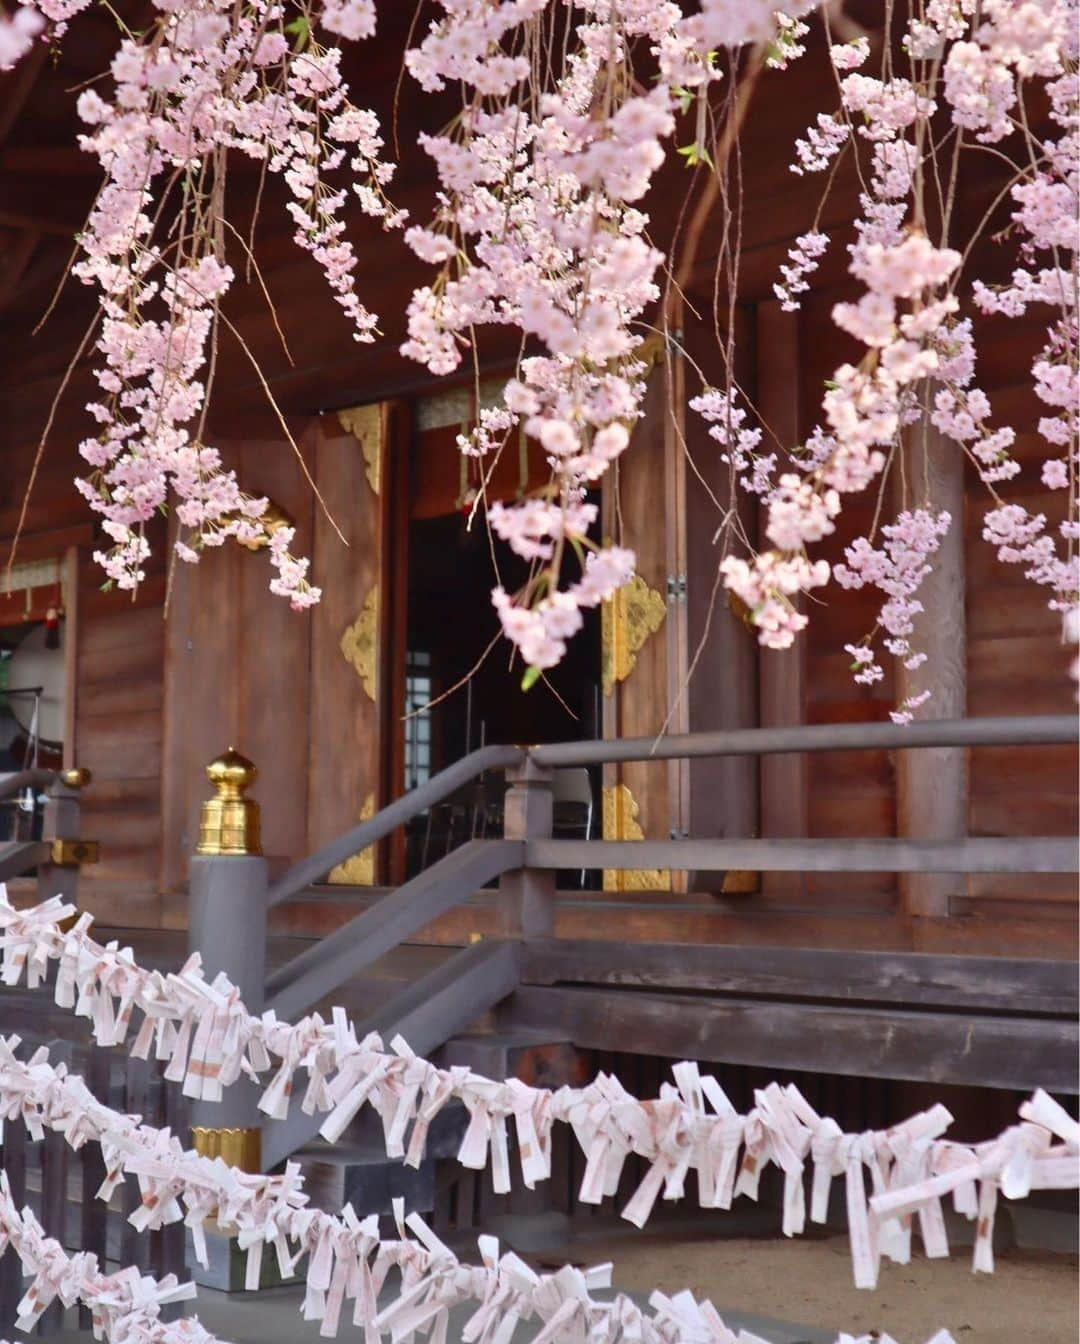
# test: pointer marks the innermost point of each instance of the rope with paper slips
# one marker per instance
(346, 1258)
(209, 1040)
(124, 1306)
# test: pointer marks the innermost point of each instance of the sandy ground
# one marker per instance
(1030, 1299)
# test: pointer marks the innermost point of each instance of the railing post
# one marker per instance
(227, 927)
(527, 895)
(60, 827)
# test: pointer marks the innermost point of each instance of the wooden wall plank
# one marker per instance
(637, 513)
(781, 673)
(118, 735)
(347, 726)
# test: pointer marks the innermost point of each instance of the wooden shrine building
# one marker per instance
(347, 706)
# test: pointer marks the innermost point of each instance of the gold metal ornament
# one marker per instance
(359, 643)
(273, 519)
(229, 822)
(76, 778)
(364, 423)
(240, 1148)
(359, 869)
(73, 853)
(627, 619)
(620, 813)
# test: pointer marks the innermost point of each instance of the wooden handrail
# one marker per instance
(13, 784)
(389, 818)
(1016, 730)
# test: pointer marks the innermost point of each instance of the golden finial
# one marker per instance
(229, 824)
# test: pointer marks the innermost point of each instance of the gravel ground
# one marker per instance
(1030, 1299)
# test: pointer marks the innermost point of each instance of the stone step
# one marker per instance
(357, 1170)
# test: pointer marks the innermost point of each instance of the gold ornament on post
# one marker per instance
(240, 1148)
(364, 423)
(229, 824)
(359, 643)
(620, 821)
(627, 619)
(273, 519)
(359, 869)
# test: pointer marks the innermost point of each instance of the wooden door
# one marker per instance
(643, 635)
(306, 695)
(357, 643)
(237, 671)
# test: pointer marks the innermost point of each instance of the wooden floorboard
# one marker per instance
(982, 984)
(984, 1051)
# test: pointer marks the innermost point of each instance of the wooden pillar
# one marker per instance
(527, 895)
(932, 784)
(781, 673)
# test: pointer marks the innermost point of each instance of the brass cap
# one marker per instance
(76, 778)
(229, 823)
(240, 1148)
(231, 773)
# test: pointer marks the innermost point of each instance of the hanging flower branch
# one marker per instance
(206, 78)
(537, 229)
(974, 65)
(568, 110)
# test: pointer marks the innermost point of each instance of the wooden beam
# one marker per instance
(879, 1043)
(982, 984)
(999, 854)
(932, 785)
(448, 999)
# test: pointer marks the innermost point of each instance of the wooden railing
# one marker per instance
(1001, 1023)
(231, 895)
(55, 859)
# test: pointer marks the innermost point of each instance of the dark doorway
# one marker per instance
(450, 623)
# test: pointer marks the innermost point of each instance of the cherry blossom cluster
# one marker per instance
(203, 79)
(739, 441)
(208, 1041)
(803, 261)
(17, 34)
(568, 110)
(976, 63)
(897, 568)
(539, 228)
(865, 408)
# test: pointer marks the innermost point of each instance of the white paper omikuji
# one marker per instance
(124, 1306)
(347, 1259)
(207, 1038)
